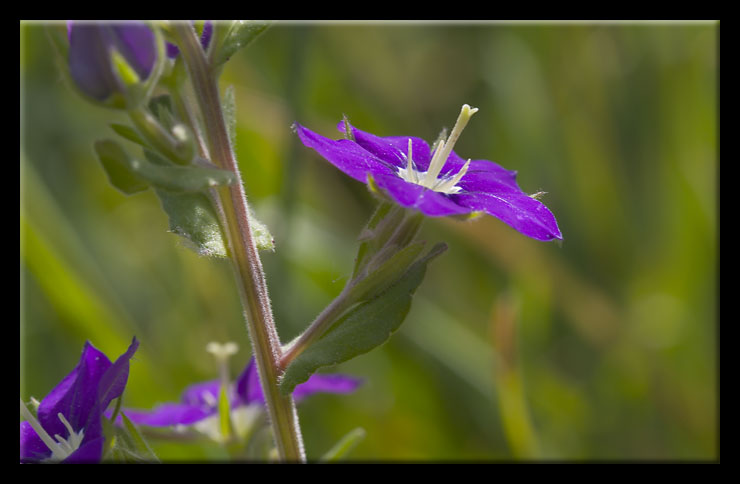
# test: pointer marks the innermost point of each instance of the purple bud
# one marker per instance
(91, 51)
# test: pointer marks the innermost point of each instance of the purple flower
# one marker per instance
(199, 402)
(436, 182)
(105, 57)
(68, 424)
(205, 39)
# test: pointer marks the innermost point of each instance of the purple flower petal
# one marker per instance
(170, 414)
(485, 186)
(417, 197)
(249, 390)
(326, 384)
(392, 149)
(346, 155)
(202, 394)
(81, 397)
(32, 447)
(88, 453)
(520, 211)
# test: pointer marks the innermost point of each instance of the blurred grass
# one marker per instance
(616, 328)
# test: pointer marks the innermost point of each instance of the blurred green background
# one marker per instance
(602, 347)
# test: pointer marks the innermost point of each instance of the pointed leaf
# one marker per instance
(177, 178)
(242, 33)
(129, 133)
(117, 166)
(362, 328)
(192, 216)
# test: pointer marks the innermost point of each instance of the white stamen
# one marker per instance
(410, 167)
(447, 185)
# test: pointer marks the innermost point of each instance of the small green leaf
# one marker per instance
(118, 167)
(192, 216)
(242, 33)
(129, 133)
(344, 446)
(362, 328)
(178, 178)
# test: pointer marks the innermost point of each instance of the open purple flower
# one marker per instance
(68, 426)
(435, 182)
(106, 57)
(199, 402)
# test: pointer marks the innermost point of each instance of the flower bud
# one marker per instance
(113, 64)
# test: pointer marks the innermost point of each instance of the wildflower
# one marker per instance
(436, 182)
(106, 59)
(199, 402)
(68, 426)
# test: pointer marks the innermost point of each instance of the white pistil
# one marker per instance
(442, 149)
(445, 148)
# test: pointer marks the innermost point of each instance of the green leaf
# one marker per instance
(362, 328)
(178, 178)
(344, 446)
(242, 33)
(118, 167)
(192, 216)
(129, 133)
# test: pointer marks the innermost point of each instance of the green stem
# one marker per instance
(242, 250)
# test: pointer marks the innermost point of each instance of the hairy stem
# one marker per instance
(242, 250)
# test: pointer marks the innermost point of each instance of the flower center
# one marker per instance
(61, 448)
(430, 178)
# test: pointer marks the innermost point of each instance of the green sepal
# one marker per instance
(377, 281)
(118, 166)
(126, 444)
(362, 328)
(345, 445)
(192, 216)
(241, 34)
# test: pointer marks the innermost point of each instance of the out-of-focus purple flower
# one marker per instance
(105, 57)
(437, 183)
(200, 401)
(70, 416)
(205, 39)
